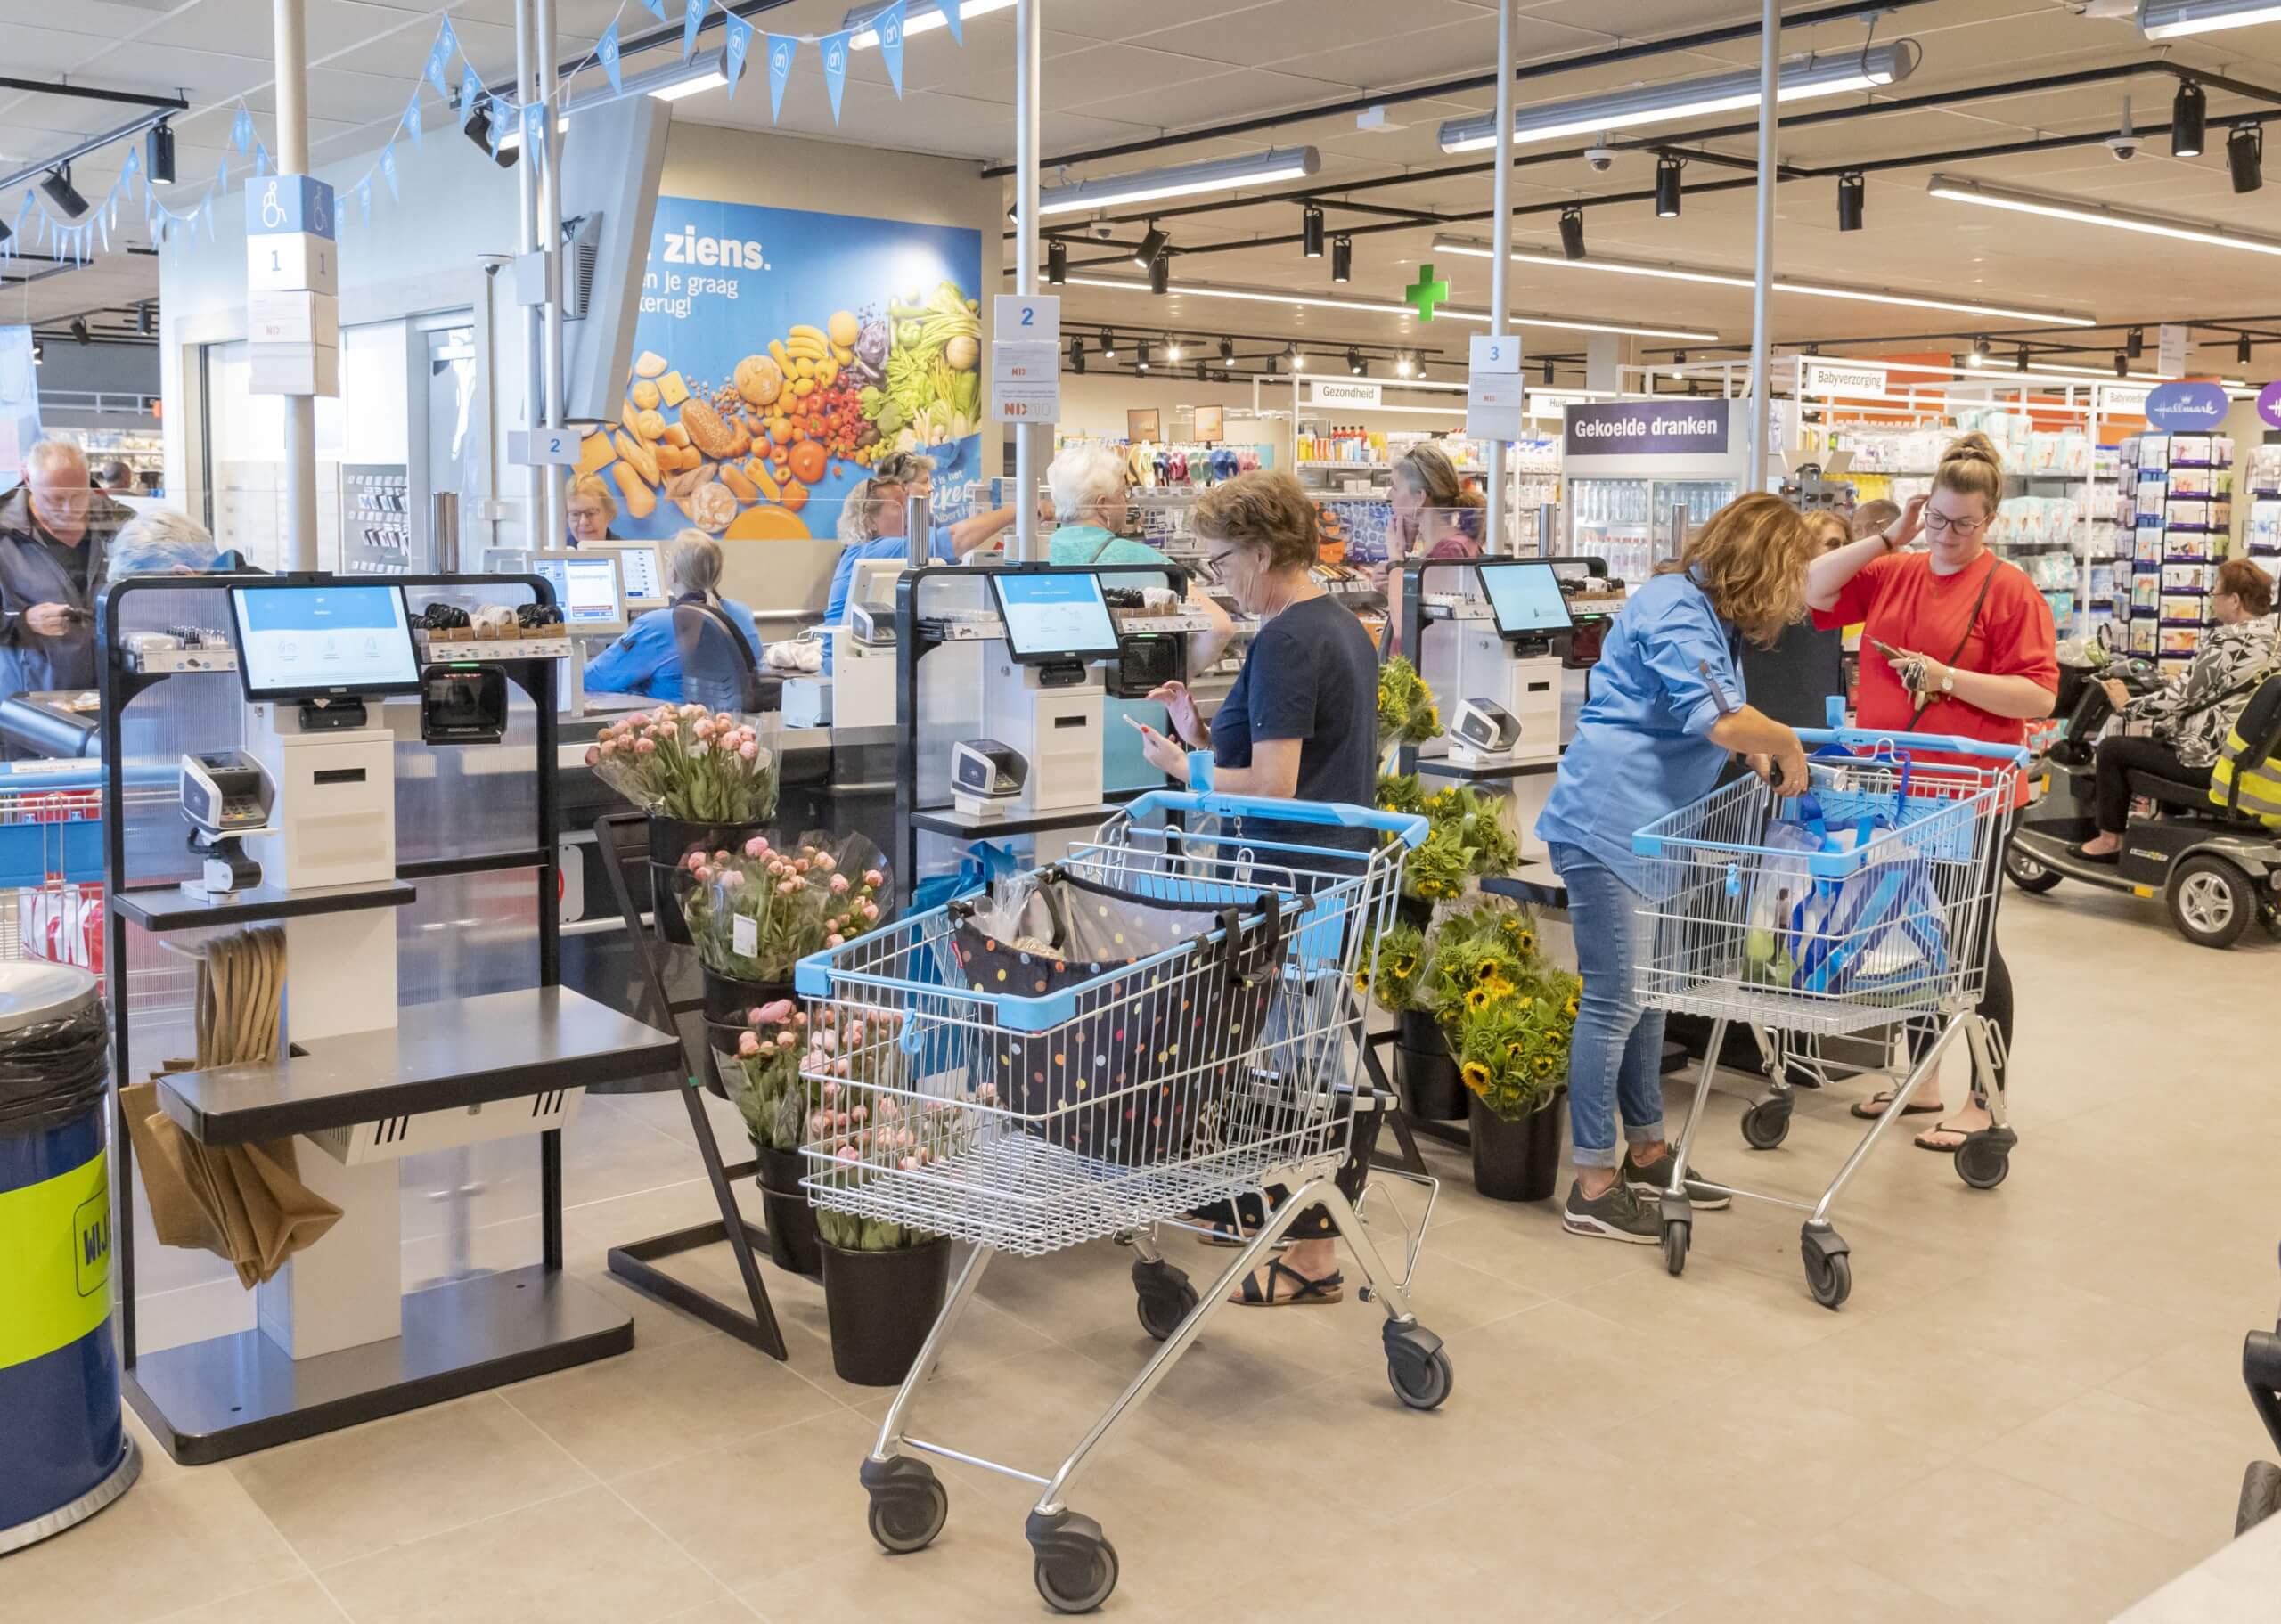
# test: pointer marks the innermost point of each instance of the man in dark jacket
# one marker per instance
(54, 532)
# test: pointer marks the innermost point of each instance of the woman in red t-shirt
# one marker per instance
(1972, 640)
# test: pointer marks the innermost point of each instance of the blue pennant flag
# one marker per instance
(241, 130)
(657, 8)
(103, 220)
(606, 53)
(221, 175)
(888, 26)
(260, 158)
(692, 18)
(953, 18)
(835, 66)
(387, 170)
(132, 166)
(411, 118)
(732, 54)
(364, 201)
(782, 49)
(440, 57)
(112, 211)
(496, 112)
(533, 126)
(205, 212)
(470, 94)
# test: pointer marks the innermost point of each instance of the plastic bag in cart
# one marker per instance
(1879, 932)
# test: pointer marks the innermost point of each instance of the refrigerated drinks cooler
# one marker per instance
(1642, 475)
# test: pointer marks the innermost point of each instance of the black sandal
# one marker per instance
(1325, 1288)
(1913, 1108)
(1223, 1232)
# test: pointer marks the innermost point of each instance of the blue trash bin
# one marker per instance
(64, 1453)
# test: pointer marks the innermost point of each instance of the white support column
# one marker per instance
(290, 41)
(555, 497)
(526, 241)
(1029, 439)
(1502, 256)
(1770, 110)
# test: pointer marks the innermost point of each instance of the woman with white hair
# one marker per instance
(1088, 487)
(160, 541)
(647, 660)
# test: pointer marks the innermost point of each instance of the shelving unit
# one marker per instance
(2177, 492)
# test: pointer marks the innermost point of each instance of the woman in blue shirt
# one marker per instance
(1654, 736)
(647, 661)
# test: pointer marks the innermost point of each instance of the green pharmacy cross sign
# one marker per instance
(1426, 292)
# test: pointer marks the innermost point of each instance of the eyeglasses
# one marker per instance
(1939, 524)
(1219, 560)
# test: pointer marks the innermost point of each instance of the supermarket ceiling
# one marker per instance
(1171, 73)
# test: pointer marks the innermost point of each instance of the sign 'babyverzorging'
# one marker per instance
(1638, 428)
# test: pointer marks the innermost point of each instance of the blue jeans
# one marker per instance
(1615, 1059)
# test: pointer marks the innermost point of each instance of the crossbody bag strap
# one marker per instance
(1986, 581)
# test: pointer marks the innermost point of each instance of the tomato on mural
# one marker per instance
(780, 354)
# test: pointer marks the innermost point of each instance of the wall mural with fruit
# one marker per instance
(779, 352)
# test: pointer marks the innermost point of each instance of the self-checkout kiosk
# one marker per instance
(590, 591)
(1042, 691)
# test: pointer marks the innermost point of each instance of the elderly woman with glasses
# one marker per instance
(1955, 641)
(868, 532)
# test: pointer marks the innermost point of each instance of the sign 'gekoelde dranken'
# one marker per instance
(2187, 408)
(1641, 429)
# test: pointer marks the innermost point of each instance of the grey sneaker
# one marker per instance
(1615, 1214)
(1652, 1179)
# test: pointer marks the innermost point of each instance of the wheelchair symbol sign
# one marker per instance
(290, 203)
(273, 212)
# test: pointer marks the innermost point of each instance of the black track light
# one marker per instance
(1310, 232)
(1152, 243)
(1852, 190)
(477, 127)
(1980, 347)
(1160, 273)
(1140, 356)
(1572, 232)
(2242, 350)
(1227, 351)
(2121, 364)
(79, 330)
(2188, 117)
(2246, 156)
(1355, 362)
(1173, 351)
(57, 184)
(1057, 262)
(6, 231)
(1667, 169)
(1548, 372)
(1292, 357)
(2134, 342)
(1108, 346)
(159, 154)
(1076, 355)
(1404, 364)
(144, 321)
(1342, 257)
(1679, 357)
(2021, 360)
(1201, 375)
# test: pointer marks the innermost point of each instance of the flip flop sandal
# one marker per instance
(1327, 1288)
(1862, 1108)
(1942, 1150)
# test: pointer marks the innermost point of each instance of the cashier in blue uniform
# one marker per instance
(647, 660)
(872, 524)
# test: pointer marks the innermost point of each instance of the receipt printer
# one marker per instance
(1483, 727)
(986, 776)
(226, 795)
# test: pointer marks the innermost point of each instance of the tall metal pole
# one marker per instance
(549, 225)
(290, 39)
(1502, 256)
(526, 241)
(1762, 392)
(1029, 58)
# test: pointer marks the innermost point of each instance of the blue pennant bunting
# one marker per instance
(606, 53)
(205, 212)
(260, 158)
(953, 18)
(835, 66)
(412, 119)
(470, 94)
(103, 220)
(364, 201)
(222, 175)
(782, 49)
(888, 26)
(132, 166)
(733, 53)
(533, 126)
(497, 115)
(440, 57)
(241, 130)
(692, 18)
(657, 8)
(387, 170)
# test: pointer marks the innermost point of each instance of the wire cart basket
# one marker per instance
(1873, 932)
(1028, 1104)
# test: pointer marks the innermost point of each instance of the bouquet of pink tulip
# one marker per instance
(761, 1073)
(684, 762)
(755, 912)
(857, 1129)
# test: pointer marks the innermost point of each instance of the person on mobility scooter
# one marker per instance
(2217, 867)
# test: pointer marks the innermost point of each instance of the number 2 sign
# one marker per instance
(1030, 317)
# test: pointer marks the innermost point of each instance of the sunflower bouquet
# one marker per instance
(1407, 713)
(1508, 1015)
(1390, 965)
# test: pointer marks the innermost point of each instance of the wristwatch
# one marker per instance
(1948, 681)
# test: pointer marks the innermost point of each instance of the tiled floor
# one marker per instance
(2030, 1410)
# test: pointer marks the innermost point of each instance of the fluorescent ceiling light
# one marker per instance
(1268, 296)
(1961, 189)
(2107, 373)
(1394, 383)
(1782, 284)
(1801, 78)
(2181, 18)
(670, 82)
(921, 18)
(1182, 180)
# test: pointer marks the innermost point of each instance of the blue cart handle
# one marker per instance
(1947, 743)
(1407, 828)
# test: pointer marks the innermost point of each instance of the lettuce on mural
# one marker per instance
(780, 353)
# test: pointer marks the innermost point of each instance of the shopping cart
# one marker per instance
(1884, 925)
(1027, 1120)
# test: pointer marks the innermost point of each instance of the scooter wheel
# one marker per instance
(2029, 875)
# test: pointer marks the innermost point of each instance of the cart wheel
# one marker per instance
(2261, 1496)
(1829, 1276)
(1077, 1570)
(2029, 875)
(1418, 1366)
(1983, 1160)
(1766, 1124)
(908, 1511)
(1164, 1297)
(1675, 1239)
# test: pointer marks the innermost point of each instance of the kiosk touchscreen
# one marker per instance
(319, 641)
(1054, 619)
(639, 572)
(1524, 599)
(585, 589)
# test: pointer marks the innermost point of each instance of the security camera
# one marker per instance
(1600, 158)
(2124, 142)
(1104, 230)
